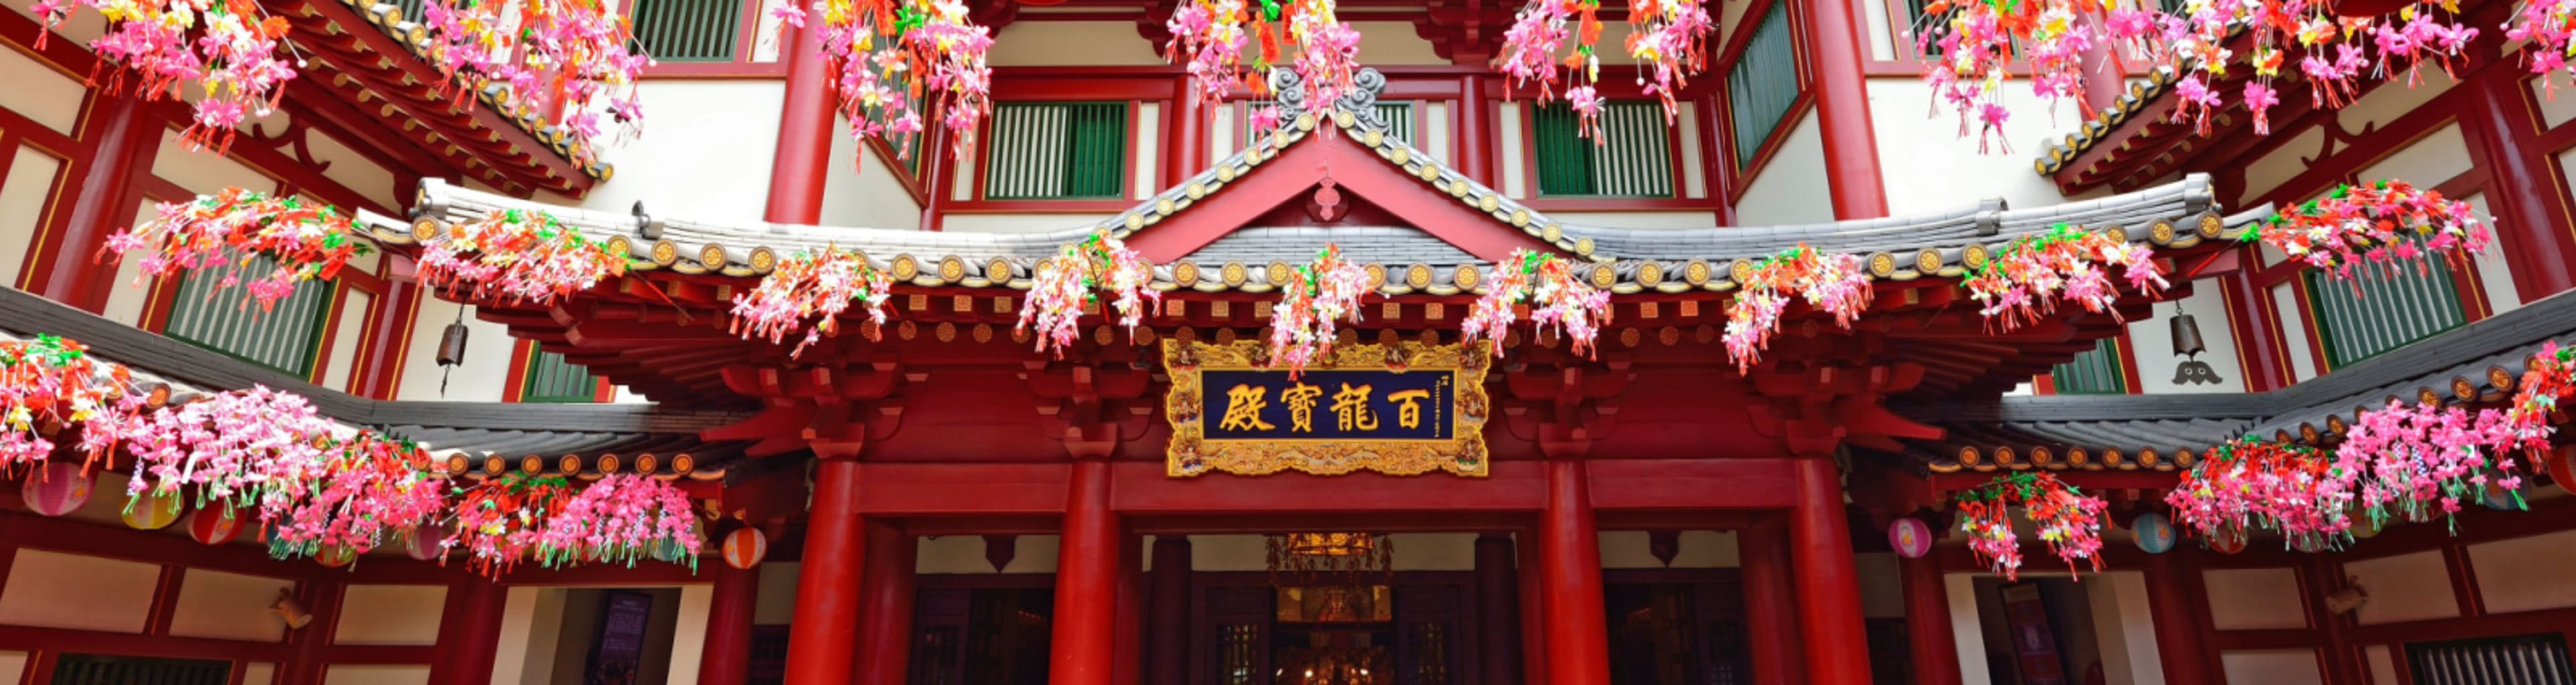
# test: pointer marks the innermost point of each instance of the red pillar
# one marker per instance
(2258, 336)
(1187, 153)
(1127, 662)
(1578, 636)
(1842, 110)
(1927, 622)
(1086, 582)
(826, 625)
(1769, 592)
(1496, 584)
(2170, 602)
(2525, 189)
(305, 665)
(1475, 144)
(885, 650)
(1533, 609)
(127, 137)
(804, 157)
(1168, 613)
(1828, 587)
(727, 657)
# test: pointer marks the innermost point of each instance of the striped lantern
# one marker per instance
(2228, 540)
(215, 525)
(744, 548)
(2155, 534)
(57, 489)
(426, 542)
(669, 551)
(153, 510)
(1910, 537)
(336, 556)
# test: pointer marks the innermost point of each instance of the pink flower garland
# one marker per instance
(500, 520)
(226, 47)
(2550, 25)
(519, 256)
(1548, 284)
(373, 488)
(2552, 376)
(308, 242)
(1832, 283)
(2024, 281)
(894, 62)
(2069, 521)
(810, 284)
(617, 519)
(1209, 35)
(569, 58)
(47, 384)
(1069, 280)
(1668, 38)
(2382, 224)
(2249, 484)
(1316, 297)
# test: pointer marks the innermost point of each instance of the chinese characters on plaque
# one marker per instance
(1400, 409)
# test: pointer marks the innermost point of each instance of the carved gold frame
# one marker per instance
(1190, 454)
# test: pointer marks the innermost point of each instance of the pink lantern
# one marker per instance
(57, 489)
(743, 549)
(336, 556)
(2228, 540)
(426, 542)
(1911, 537)
(215, 525)
(153, 510)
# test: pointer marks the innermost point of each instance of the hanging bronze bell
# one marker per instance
(2186, 336)
(451, 345)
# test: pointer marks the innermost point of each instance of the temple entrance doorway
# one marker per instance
(982, 636)
(1677, 633)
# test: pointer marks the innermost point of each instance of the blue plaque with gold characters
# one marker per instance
(1402, 409)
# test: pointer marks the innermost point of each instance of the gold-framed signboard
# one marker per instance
(1401, 409)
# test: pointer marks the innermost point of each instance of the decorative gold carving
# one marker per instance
(1191, 454)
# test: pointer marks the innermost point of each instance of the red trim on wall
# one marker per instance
(515, 383)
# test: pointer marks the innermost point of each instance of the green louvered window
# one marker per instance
(411, 9)
(1057, 151)
(2095, 372)
(286, 339)
(1397, 115)
(688, 30)
(1762, 84)
(551, 379)
(2368, 315)
(1632, 158)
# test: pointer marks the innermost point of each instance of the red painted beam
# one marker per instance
(1358, 171)
(1144, 489)
(1646, 484)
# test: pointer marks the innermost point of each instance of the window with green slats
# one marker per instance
(286, 338)
(688, 30)
(1762, 84)
(552, 379)
(1056, 151)
(411, 9)
(1397, 115)
(2095, 372)
(1632, 158)
(2369, 315)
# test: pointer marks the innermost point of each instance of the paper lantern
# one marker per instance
(426, 542)
(744, 548)
(1910, 536)
(152, 510)
(336, 556)
(2228, 540)
(2309, 544)
(2501, 498)
(2562, 472)
(2364, 526)
(57, 489)
(215, 525)
(2155, 534)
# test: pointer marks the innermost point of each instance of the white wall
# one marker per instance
(2151, 341)
(1031, 42)
(23, 194)
(861, 190)
(228, 606)
(1926, 167)
(57, 590)
(481, 378)
(2254, 598)
(2271, 667)
(390, 614)
(1793, 188)
(705, 152)
(2523, 574)
(2405, 587)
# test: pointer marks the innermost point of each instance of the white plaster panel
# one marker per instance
(345, 337)
(1793, 187)
(1033, 43)
(1033, 554)
(23, 194)
(1507, 130)
(1881, 31)
(2524, 574)
(2554, 110)
(777, 601)
(1708, 549)
(689, 633)
(2383, 665)
(1435, 132)
(132, 290)
(530, 617)
(487, 357)
(1149, 140)
(346, 166)
(2254, 598)
(1882, 585)
(2438, 156)
(13, 667)
(2406, 587)
(949, 554)
(1432, 551)
(2387, 104)
(1628, 549)
(2271, 667)
(2495, 275)
(2123, 629)
(1019, 223)
(228, 606)
(390, 614)
(1925, 166)
(81, 28)
(57, 590)
(203, 173)
(1686, 121)
(1640, 220)
(2283, 163)
(705, 154)
(1394, 43)
(37, 91)
(961, 183)
(2294, 332)
(1221, 135)
(1967, 626)
(2151, 341)
(353, 674)
(871, 196)
(1228, 553)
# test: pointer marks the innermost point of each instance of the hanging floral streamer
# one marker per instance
(2552, 376)
(1209, 35)
(1315, 299)
(1666, 37)
(1074, 277)
(1833, 283)
(2251, 484)
(1558, 299)
(894, 62)
(518, 256)
(571, 58)
(618, 519)
(372, 489)
(307, 241)
(2069, 521)
(2023, 282)
(2550, 25)
(228, 48)
(810, 284)
(47, 384)
(2382, 224)
(500, 521)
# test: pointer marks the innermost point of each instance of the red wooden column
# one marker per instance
(1769, 592)
(1187, 151)
(305, 666)
(1496, 585)
(2257, 329)
(127, 136)
(804, 156)
(1533, 609)
(2169, 604)
(1927, 622)
(1086, 582)
(1127, 664)
(1842, 110)
(885, 649)
(1578, 635)
(826, 626)
(2525, 190)
(1828, 587)
(1167, 620)
(1475, 143)
(727, 657)
(469, 636)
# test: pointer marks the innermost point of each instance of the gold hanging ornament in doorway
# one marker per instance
(1329, 557)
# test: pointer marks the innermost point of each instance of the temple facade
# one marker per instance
(934, 493)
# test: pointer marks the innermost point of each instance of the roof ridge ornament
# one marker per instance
(1360, 100)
